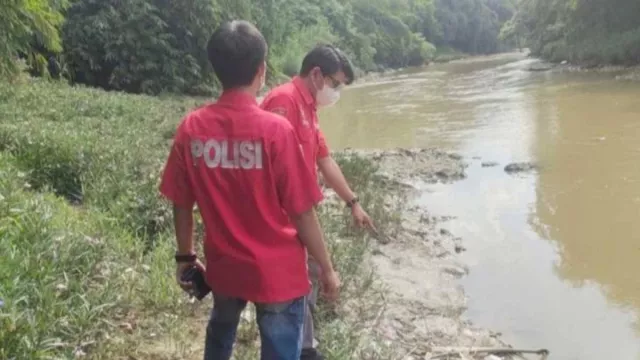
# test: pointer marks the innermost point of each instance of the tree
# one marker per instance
(587, 32)
(24, 23)
(140, 46)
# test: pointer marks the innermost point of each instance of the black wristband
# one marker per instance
(186, 258)
(352, 202)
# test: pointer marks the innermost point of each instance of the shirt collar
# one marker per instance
(237, 97)
(304, 91)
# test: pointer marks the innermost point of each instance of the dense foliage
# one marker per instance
(139, 45)
(25, 27)
(587, 32)
(154, 46)
(472, 26)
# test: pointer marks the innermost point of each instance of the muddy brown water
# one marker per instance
(554, 255)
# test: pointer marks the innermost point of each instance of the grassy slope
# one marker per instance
(87, 243)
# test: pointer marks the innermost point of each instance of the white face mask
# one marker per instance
(327, 96)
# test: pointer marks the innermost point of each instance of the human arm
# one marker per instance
(175, 186)
(183, 222)
(311, 236)
(334, 177)
(299, 194)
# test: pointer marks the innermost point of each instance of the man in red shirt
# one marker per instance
(244, 169)
(325, 70)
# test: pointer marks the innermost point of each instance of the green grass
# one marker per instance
(87, 242)
(70, 278)
(103, 150)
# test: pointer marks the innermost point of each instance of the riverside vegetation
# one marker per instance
(87, 242)
(155, 46)
(584, 32)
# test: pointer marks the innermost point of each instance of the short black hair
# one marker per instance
(329, 59)
(236, 50)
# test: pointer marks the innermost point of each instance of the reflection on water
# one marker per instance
(554, 256)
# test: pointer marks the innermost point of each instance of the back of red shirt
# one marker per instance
(244, 169)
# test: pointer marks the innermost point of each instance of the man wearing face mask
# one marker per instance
(325, 71)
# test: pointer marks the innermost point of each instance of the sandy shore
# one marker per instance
(419, 265)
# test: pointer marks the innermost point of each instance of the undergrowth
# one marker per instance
(87, 243)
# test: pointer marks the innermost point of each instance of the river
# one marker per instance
(554, 255)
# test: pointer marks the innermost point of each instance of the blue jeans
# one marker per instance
(280, 326)
(308, 338)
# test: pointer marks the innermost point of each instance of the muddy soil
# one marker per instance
(420, 267)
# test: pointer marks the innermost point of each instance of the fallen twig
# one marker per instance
(451, 351)
(409, 353)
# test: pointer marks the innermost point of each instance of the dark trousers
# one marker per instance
(280, 325)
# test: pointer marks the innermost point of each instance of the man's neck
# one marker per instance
(249, 90)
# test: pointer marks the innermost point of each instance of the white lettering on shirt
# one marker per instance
(227, 154)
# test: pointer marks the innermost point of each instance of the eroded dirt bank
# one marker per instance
(419, 265)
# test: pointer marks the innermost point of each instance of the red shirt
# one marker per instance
(243, 168)
(294, 101)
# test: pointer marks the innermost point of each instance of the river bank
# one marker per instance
(621, 72)
(418, 262)
(630, 72)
